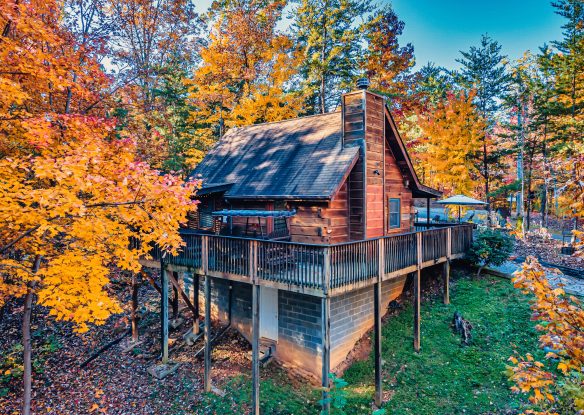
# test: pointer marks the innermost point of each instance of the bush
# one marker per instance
(490, 247)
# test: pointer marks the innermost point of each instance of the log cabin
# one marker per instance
(305, 233)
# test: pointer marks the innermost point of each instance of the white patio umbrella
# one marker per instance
(460, 200)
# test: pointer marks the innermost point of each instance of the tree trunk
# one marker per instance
(479, 271)
(27, 352)
(135, 288)
(322, 59)
(175, 297)
(486, 176)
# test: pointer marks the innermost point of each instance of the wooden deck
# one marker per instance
(320, 270)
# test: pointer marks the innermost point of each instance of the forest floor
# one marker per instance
(445, 378)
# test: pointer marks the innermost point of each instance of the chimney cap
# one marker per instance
(362, 83)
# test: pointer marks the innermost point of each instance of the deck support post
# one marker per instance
(447, 282)
(417, 290)
(255, 343)
(207, 327)
(377, 324)
(207, 330)
(326, 332)
(447, 266)
(163, 312)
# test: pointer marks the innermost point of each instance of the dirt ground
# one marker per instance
(115, 383)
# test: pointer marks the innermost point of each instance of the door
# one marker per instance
(269, 313)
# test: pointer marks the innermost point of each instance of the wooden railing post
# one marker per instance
(255, 343)
(377, 323)
(326, 328)
(417, 293)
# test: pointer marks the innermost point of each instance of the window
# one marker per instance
(205, 209)
(394, 213)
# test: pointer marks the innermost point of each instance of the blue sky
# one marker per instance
(439, 29)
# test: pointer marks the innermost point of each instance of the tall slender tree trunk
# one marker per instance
(544, 196)
(135, 288)
(486, 176)
(322, 59)
(26, 343)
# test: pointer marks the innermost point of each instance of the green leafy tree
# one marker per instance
(329, 41)
(484, 69)
(490, 247)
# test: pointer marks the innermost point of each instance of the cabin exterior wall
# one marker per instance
(300, 320)
(352, 316)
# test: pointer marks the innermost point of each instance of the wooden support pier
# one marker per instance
(377, 313)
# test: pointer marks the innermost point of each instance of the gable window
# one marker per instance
(394, 212)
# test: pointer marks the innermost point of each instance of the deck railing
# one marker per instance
(319, 267)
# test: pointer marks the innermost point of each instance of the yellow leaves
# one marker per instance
(562, 324)
(71, 188)
(453, 132)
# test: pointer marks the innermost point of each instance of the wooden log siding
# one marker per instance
(301, 267)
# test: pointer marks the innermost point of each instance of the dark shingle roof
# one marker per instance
(301, 158)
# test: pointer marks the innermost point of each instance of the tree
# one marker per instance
(387, 64)
(567, 117)
(150, 39)
(246, 69)
(329, 40)
(485, 70)
(490, 247)
(452, 131)
(72, 191)
(556, 385)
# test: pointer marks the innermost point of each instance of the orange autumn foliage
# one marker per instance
(558, 384)
(245, 71)
(72, 191)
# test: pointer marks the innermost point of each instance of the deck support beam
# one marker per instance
(377, 345)
(255, 329)
(207, 332)
(447, 266)
(207, 327)
(326, 353)
(255, 350)
(163, 312)
(417, 289)
(326, 333)
(377, 323)
(447, 282)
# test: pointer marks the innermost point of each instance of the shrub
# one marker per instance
(490, 247)
(556, 385)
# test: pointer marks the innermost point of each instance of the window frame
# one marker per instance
(391, 213)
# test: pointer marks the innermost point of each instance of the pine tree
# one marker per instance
(329, 39)
(568, 117)
(485, 70)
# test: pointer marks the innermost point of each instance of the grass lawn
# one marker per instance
(444, 378)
